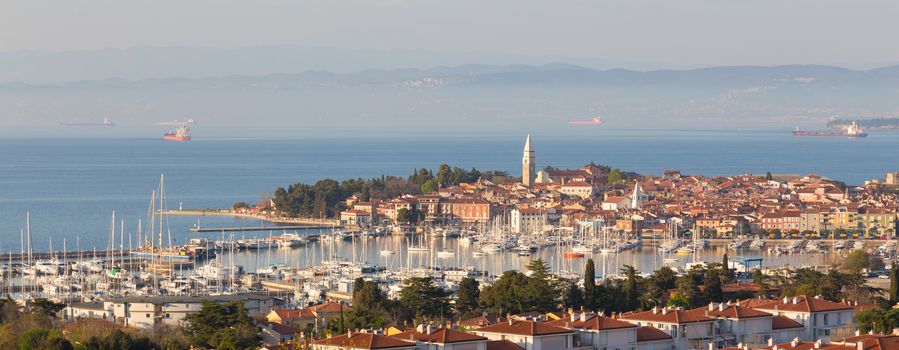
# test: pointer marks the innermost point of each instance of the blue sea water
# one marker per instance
(71, 186)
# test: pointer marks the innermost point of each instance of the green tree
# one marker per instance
(713, 286)
(425, 300)
(894, 284)
(726, 273)
(590, 285)
(541, 293)
(856, 261)
(46, 307)
(429, 186)
(687, 287)
(222, 326)
(508, 294)
(630, 288)
(678, 300)
(572, 296)
(615, 177)
(468, 296)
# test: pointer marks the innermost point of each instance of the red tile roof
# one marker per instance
(730, 311)
(530, 328)
(651, 334)
(365, 341)
(502, 345)
(593, 323)
(292, 314)
(803, 304)
(675, 316)
(783, 322)
(330, 306)
(440, 336)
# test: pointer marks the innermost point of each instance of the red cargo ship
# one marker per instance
(853, 131)
(180, 134)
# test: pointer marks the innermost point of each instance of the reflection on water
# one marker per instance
(459, 253)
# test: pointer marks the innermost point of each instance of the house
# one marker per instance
(530, 335)
(352, 340)
(355, 217)
(579, 189)
(528, 220)
(598, 331)
(480, 321)
(275, 333)
(689, 330)
(738, 324)
(649, 338)
(819, 317)
(145, 312)
(296, 318)
(615, 203)
(443, 339)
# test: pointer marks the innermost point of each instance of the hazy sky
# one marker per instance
(678, 33)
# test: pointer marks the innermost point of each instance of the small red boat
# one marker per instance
(573, 255)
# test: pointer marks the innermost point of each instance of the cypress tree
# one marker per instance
(590, 285)
(894, 283)
(725, 268)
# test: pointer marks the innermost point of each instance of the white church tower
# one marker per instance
(637, 196)
(527, 164)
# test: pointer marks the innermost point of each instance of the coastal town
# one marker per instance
(569, 289)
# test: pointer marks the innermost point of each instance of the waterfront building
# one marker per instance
(528, 220)
(879, 221)
(145, 312)
(528, 173)
(471, 210)
(357, 218)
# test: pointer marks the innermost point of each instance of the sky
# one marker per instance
(677, 34)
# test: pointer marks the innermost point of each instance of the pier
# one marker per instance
(258, 228)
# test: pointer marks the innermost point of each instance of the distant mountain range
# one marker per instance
(463, 99)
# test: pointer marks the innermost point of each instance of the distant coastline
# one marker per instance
(867, 124)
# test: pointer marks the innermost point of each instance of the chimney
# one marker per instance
(794, 342)
(770, 341)
(664, 311)
(895, 331)
(583, 316)
(655, 310)
(860, 345)
(795, 300)
(858, 332)
(786, 300)
(420, 328)
(428, 329)
(571, 310)
(711, 345)
(349, 333)
(711, 306)
(509, 318)
(572, 317)
(721, 307)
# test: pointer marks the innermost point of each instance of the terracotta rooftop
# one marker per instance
(290, 314)
(502, 345)
(440, 336)
(364, 341)
(593, 323)
(329, 306)
(784, 322)
(530, 328)
(730, 311)
(803, 304)
(672, 316)
(651, 334)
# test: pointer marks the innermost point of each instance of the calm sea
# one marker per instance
(72, 186)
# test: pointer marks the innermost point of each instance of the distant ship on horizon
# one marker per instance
(106, 122)
(595, 121)
(182, 133)
(853, 131)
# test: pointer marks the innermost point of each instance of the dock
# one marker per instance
(259, 228)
